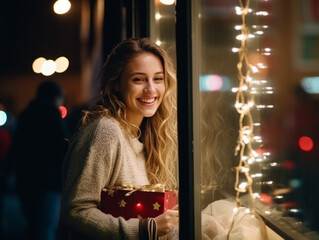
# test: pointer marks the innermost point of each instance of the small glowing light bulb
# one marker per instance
(247, 131)
(234, 89)
(235, 49)
(244, 169)
(158, 16)
(251, 160)
(256, 195)
(251, 104)
(243, 185)
(241, 37)
(245, 139)
(262, 13)
(244, 158)
(238, 105)
(254, 69)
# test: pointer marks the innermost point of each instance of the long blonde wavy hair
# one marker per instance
(159, 132)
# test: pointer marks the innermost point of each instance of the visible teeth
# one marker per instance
(147, 100)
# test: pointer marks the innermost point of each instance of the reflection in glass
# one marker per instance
(284, 134)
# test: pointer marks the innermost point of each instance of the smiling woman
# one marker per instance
(127, 138)
(142, 87)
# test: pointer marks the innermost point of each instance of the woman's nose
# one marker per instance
(150, 87)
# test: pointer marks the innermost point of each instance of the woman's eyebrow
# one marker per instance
(141, 73)
(136, 73)
(159, 73)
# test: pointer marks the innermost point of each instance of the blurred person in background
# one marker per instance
(38, 149)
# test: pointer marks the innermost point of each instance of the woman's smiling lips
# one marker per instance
(147, 100)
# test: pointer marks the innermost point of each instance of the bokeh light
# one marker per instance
(63, 111)
(288, 164)
(295, 183)
(61, 6)
(167, 2)
(158, 16)
(37, 64)
(305, 143)
(48, 67)
(62, 64)
(310, 84)
(3, 118)
(265, 198)
(213, 82)
(139, 205)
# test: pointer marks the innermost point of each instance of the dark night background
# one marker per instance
(30, 29)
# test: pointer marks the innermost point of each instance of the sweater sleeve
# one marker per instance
(91, 162)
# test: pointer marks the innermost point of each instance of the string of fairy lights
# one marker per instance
(245, 103)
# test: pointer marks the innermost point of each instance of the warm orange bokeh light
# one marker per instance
(37, 64)
(62, 64)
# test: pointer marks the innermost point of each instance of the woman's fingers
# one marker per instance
(167, 221)
(176, 207)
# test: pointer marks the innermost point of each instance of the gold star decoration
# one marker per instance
(122, 203)
(156, 206)
(139, 217)
(110, 192)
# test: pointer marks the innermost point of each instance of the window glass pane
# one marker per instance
(275, 143)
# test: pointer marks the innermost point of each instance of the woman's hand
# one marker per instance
(167, 221)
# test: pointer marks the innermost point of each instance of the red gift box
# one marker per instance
(129, 203)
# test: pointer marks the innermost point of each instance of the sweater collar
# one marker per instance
(136, 144)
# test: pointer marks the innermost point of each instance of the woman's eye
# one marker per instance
(138, 79)
(158, 79)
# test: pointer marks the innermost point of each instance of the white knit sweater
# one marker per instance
(100, 155)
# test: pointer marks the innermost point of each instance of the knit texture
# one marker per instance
(100, 155)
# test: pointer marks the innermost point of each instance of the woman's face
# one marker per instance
(142, 87)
